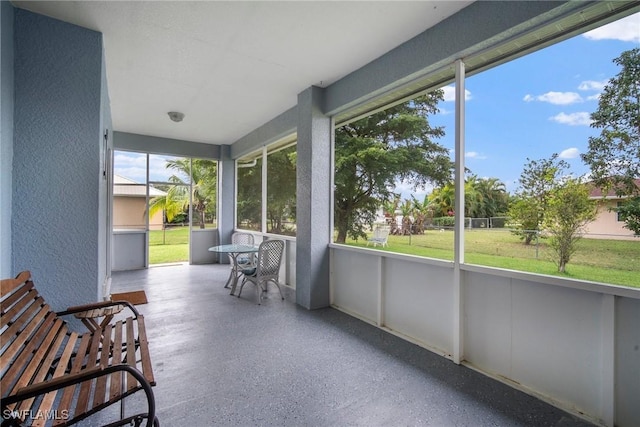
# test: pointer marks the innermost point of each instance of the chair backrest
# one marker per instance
(240, 238)
(381, 233)
(270, 257)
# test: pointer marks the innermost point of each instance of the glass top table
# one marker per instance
(234, 250)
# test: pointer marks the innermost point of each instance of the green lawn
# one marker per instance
(608, 261)
(171, 245)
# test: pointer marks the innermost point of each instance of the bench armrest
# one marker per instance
(96, 305)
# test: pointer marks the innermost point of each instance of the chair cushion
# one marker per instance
(249, 271)
(244, 260)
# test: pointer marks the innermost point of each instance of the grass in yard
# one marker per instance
(171, 245)
(168, 253)
(607, 261)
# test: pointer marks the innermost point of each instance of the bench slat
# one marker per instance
(22, 330)
(86, 386)
(9, 301)
(45, 404)
(69, 391)
(116, 379)
(37, 370)
(13, 373)
(145, 357)
(19, 322)
(131, 354)
(101, 384)
(60, 370)
(8, 285)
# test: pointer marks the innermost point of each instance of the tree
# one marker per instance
(495, 199)
(483, 198)
(537, 180)
(390, 206)
(423, 213)
(249, 199)
(203, 174)
(614, 155)
(374, 153)
(281, 189)
(443, 199)
(172, 203)
(568, 210)
(406, 210)
(630, 213)
(524, 213)
(473, 197)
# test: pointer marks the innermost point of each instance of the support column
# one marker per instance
(226, 197)
(458, 247)
(313, 204)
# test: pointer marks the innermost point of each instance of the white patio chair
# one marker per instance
(243, 260)
(240, 238)
(380, 237)
(267, 268)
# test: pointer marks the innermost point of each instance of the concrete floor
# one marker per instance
(222, 360)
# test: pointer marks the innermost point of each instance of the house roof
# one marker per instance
(597, 193)
(126, 187)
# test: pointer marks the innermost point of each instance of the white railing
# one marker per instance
(571, 343)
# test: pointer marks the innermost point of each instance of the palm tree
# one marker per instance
(495, 199)
(203, 175)
(406, 210)
(443, 199)
(421, 212)
(172, 203)
(473, 197)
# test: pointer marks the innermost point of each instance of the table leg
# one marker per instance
(226, 285)
(234, 269)
(233, 277)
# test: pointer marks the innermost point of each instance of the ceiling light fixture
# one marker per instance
(176, 116)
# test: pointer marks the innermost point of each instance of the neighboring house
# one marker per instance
(130, 205)
(608, 224)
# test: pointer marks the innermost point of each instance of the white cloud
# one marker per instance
(131, 165)
(625, 29)
(474, 155)
(570, 153)
(592, 85)
(450, 94)
(556, 98)
(572, 119)
(134, 166)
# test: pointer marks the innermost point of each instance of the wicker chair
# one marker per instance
(267, 268)
(380, 236)
(244, 260)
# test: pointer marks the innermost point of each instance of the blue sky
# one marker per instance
(133, 166)
(531, 107)
(536, 105)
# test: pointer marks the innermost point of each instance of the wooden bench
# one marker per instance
(54, 376)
